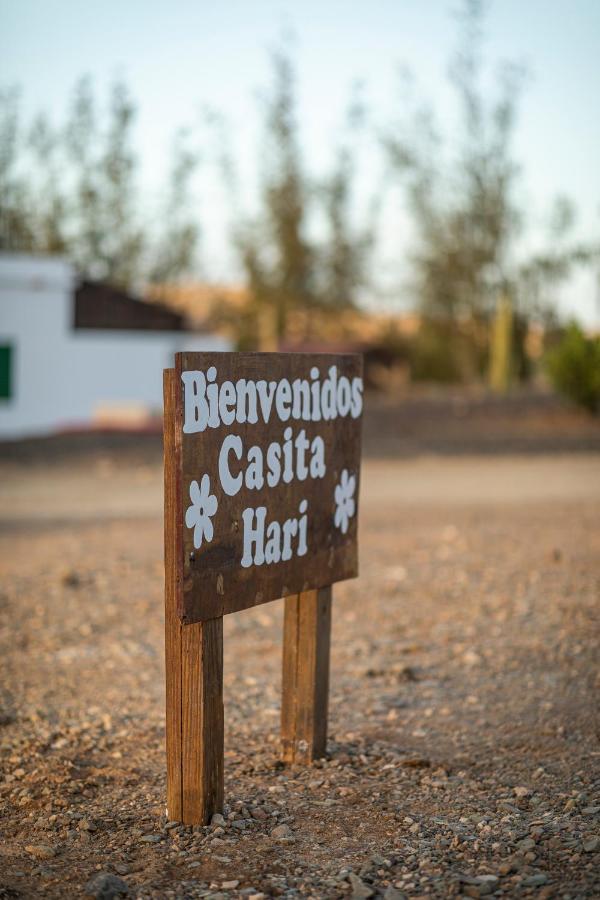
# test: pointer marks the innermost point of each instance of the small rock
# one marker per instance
(471, 658)
(509, 807)
(219, 820)
(407, 673)
(591, 844)
(392, 893)
(521, 792)
(360, 891)
(281, 831)
(535, 880)
(486, 884)
(71, 578)
(150, 838)
(41, 851)
(229, 885)
(526, 844)
(416, 762)
(472, 890)
(105, 886)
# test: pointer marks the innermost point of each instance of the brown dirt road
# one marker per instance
(463, 757)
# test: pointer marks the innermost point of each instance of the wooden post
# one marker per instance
(305, 681)
(194, 669)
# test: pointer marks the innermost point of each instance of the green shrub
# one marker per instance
(574, 368)
(442, 352)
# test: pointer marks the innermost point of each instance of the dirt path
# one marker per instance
(464, 753)
(103, 488)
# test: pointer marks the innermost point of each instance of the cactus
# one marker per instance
(501, 348)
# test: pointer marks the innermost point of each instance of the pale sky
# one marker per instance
(181, 56)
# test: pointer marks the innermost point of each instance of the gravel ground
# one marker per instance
(463, 757)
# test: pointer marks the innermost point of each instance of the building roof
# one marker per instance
(101, 306)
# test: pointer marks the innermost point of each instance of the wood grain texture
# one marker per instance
(305, 675)
(202, 720)
(173, 626)
(193, 663)
(213, 717)
(214, 582)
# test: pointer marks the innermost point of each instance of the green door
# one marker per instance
(6, 379)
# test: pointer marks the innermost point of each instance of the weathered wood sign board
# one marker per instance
(268, 460)
(262, 467)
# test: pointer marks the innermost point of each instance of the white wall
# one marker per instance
(61, 376)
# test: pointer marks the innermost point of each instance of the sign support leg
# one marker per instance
(194, 669)
(194, 676)
(305, 681)
(202, 721)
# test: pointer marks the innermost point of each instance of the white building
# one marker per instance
(63, 366)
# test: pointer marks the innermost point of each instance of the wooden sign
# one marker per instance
(262, 468)
(268, 465)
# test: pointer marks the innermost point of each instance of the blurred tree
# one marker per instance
(16, 227)
(174, 254)
(123, 244)
(464, 207)
(81, 143)
(345, 250)
(73, 190)
(464, 215)
(442, 351)
(274, 250)
(286, 267)
(538, 277)
(108, 241)
(49, 202)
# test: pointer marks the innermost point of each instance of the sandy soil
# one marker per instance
(463, 754)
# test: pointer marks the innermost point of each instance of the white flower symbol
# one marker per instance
(344, 499)
(198, 515)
